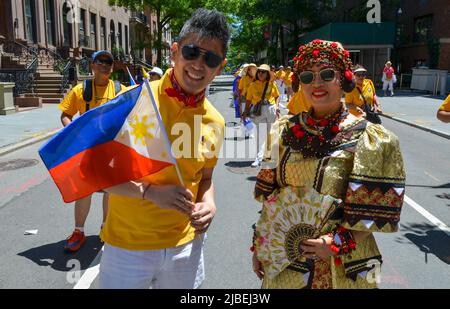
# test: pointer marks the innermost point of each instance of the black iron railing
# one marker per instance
(24, 79)
(83, 66)
(59, 64)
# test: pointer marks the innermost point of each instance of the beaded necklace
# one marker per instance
(314, 138)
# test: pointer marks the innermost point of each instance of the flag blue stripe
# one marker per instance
(94, 127)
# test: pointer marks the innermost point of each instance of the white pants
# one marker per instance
(173, 268)
(281, 86)
(388, 84)
(267, 118)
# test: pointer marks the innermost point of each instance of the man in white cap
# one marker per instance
(156, 74)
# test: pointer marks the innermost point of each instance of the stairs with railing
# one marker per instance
(42, 68)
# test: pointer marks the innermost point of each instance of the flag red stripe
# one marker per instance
(101, 167)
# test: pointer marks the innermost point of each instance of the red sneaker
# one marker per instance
(75, 241)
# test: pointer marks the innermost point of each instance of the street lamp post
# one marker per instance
(398, 12)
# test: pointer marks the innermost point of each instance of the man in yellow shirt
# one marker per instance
(154, 231)
(443, 113)
(80, 99)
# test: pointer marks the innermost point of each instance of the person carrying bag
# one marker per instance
(371, 115)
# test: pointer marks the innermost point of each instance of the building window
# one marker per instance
(154, 30)
(119, 34)
(82, 32)
(126, 40)
(423, 28)
(29, 21)
(67, 26)
(49, 21)
(103, 33)
(112, 34)
(93, 36)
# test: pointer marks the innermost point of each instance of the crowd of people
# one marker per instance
(330, 176)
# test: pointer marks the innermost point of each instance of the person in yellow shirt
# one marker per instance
(364, 92)
(298, 104)
(279, 80)
(265, 92)
(288, 83)
(155, 229)
(247, 78)
(443, 113)
(80, 99)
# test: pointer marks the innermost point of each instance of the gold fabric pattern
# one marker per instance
(299, 172)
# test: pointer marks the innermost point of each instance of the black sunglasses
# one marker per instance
(360, 74)
(307, 77)
(103, 61)
(192, 52)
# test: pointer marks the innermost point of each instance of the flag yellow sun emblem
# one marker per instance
(140, 129)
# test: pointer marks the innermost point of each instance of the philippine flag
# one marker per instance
(120, 141)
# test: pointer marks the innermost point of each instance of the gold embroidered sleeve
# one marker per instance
(376, 185)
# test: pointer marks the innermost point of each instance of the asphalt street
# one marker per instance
(418, 256)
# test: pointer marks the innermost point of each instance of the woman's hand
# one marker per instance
(171, 197)
(257, 267)
(317, 248)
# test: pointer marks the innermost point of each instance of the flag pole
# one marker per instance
(163, 129)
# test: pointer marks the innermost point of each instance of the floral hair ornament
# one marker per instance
(330, 53)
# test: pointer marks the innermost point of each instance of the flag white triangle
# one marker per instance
(354, 186)
(368, 223)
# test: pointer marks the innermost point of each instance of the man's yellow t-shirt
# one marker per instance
(255, 92)
(74, 103)
(354, 97)
(136, 224)
(298, 104)
(244, 82)
(446, 105)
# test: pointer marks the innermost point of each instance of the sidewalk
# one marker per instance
(415, 109)
(28, 127)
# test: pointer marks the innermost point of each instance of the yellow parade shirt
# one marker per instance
(288, 78)
(280, 74)
(354, 97)
(255, 92)
(244, 82)
(446, 105)
(298, 104)
(137, 224)
(74, 103)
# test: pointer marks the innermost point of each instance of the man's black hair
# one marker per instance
(207, 24)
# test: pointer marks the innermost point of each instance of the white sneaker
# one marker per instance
(256, 163)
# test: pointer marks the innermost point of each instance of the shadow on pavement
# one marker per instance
(444, 186)
(53, 255)
(239, 164)
(429, 240)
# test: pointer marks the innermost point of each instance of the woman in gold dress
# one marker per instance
(328, 181)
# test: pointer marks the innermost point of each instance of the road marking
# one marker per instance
(90, 274)
(441, 225)
(431, 176)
